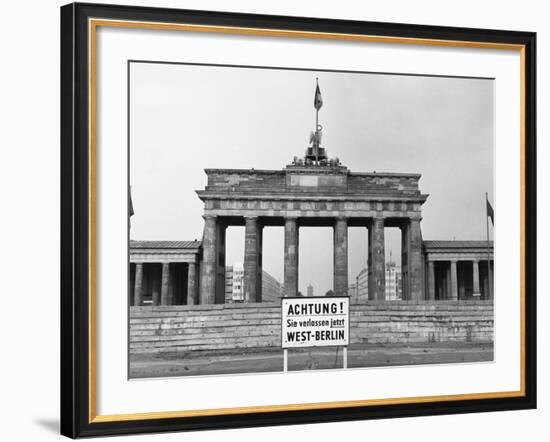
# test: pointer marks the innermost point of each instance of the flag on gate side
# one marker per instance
(130, 205)
(490, 211)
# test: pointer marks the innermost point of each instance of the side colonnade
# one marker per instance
(164, 273)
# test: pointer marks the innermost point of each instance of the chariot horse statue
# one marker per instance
(315, 137)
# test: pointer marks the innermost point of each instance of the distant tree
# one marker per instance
(329, 293)
(300, 294)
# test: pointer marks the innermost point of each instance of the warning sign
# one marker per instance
(315, 321)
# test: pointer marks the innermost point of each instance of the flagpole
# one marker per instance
(317, 127)
(317, 111)
(488, 248)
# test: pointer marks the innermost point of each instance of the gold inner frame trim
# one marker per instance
(93, 24)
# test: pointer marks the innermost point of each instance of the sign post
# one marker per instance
(321, 321)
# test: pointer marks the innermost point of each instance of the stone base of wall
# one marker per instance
(173, 329)
(402, 322)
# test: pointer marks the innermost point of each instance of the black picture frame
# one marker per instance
(76, 417)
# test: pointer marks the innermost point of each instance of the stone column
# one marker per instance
(132, 283)
(448, 289)
(191, 283)
(156, 287)
(405, 295)
(491, 280)
(251, 258)
(291, 257)
(219, 297)
(138, 291)
(416, 280)
(377, 260)
(209, 267)
(454, 281)
(431, 281)
(164, 283)
(341, 257)
(477, 291)
(259, 278)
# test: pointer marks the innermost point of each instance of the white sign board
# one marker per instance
(315, 321)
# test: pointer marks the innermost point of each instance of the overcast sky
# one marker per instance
(185, 118)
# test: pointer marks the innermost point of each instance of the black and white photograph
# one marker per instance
(299, 219)
(247, 221)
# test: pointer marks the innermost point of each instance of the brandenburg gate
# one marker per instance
(313, 191)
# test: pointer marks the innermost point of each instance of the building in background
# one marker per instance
(393, 281)
(229, 284)
(362, 285)
(309, 290)
(234, 285)
(360, 290)
(272, 289)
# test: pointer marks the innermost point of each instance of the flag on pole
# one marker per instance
(318, 101)
(130, 205)
(490, 211)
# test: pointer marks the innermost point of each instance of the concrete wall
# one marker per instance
(225, 327)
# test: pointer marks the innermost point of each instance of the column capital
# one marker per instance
(291, 220)
(251, 221)
(209, 217)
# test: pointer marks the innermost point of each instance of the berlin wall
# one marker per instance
(248, 326)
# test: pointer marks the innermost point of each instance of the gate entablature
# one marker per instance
(311, 191)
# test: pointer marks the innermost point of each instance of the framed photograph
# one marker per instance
(274, 220)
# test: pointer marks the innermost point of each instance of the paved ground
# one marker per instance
(268, 360)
